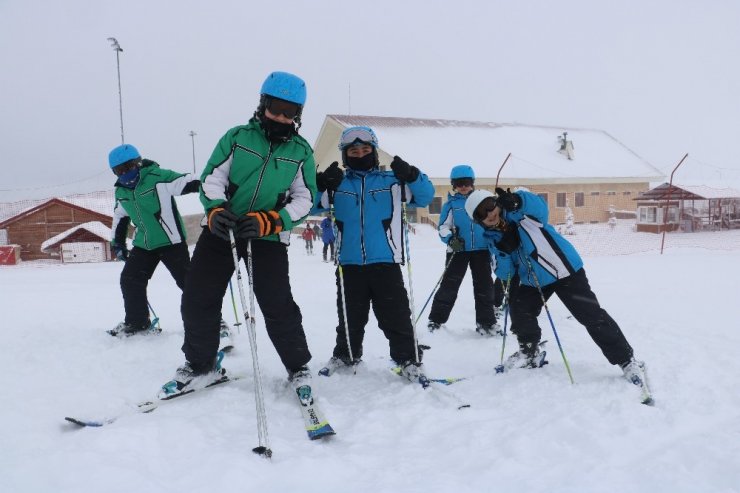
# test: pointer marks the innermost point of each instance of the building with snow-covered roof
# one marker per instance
(39, 221)
(88, 242)
(586, 170)
(688, 207)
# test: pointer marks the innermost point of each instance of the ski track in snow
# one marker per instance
(528, 430)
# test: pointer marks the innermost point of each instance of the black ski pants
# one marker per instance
(327, 246)
(210, 271)
(575, 293)
(480, 269)
(382, 285)
(140, 267)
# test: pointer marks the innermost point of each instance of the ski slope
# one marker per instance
(528, 430)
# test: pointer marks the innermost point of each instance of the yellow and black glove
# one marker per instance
(258, 224)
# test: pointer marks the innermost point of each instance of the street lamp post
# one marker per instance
(117, 48)
(192, 138)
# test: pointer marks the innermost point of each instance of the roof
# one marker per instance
(98, 202)
(666, 191)
(95, 227)
(435, 146)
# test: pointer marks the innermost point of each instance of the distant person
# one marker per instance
(307, 236)
(367, 202)
(316, 230)
(328, 237)
(259, 183)
(466, 246)
(524, 243)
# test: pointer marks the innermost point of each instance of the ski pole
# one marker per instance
(500, 367)
(340, 274)
(264, 444)
(549, 317)
(405, 234)
(233, 303)
(155, 321)
(436, 286)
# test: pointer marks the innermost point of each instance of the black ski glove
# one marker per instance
(258, 224)
(403, 170)
(121, 252)
(508, 200)
(220, 221)
(510, 240)
(329, 179)
(456, 244)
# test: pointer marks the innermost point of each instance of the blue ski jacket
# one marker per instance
(542, 251)
(453, 220)
(367, 210)
(327, 231)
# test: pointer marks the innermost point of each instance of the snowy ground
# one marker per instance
(526, 431)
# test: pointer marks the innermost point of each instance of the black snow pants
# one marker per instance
(205, 286)
(575, 293)
(480, 269)
(140, 267)
(382, 285)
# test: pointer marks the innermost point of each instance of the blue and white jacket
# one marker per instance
(542, 250)
(454, 220)
(367, 210)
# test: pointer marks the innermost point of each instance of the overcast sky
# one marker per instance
(661, 76)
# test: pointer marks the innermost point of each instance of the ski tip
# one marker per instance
(263, 451)
(649, 401)
(322, 432)
(463, 406)
(83, 424)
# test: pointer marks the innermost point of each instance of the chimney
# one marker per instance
(566, 146)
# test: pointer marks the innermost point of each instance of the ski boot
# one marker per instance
(124, 329)
(528, 356)
(226, 341)
(340, 364)
(189, 378)
(414, 372)
(432, 326)
(489, 330)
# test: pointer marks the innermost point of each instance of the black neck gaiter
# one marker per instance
(364, 163)
(276, 131)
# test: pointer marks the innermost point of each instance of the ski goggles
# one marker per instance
(281, 107)
(484, 208)
(124, 168)
(462, 182)
(355, 135)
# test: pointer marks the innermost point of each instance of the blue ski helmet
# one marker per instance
(121, 154)
(462, 171)
(283, 85)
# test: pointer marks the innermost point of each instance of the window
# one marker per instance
(594, 194)
(611, 192)
(627, 193)
(560, 200)
(435, 207)
(580, 199)
(543, 196)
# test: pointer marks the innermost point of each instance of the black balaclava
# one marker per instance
(276, 131)
(364, 163)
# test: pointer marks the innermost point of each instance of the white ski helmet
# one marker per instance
(474, 200)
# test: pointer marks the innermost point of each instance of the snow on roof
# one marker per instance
(711, 192)
(95, 227)
(435, 146)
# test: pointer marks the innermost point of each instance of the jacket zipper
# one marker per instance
(259, 181)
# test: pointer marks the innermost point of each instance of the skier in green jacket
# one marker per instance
(259, 182)
(144, 197)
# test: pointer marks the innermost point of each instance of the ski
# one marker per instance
(316, 424)
(441, 390)
(143, 407)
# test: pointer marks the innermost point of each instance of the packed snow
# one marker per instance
(527, 430)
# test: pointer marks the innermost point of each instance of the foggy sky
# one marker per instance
(661, 76)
